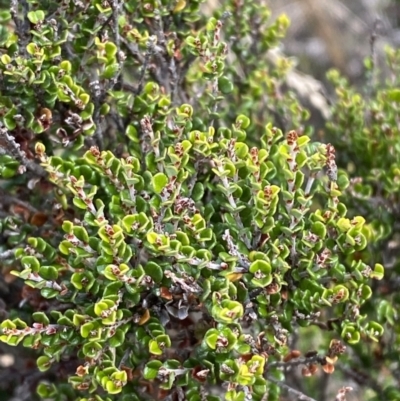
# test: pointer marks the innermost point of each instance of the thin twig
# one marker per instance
(120, 55)
(105, 24)
(145, 66)
(296, 362)
(12, 148)
(215, 88)
(160, 53)
(7, 254)
(183, 69)
(21, 26)
(362, 378)
(298, 394)
(324, 383)
(115, 14)
(144, 60)
(372, 41)
(174, 80)
(134, 51)
(14, 15)
(124, 358)
(98, 93)
(7, 199)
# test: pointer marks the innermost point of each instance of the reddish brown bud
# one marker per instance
(294, 354)
(328, 368)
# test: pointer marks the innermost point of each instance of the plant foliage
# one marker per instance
(182, 232)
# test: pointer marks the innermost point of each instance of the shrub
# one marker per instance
(185, 246)
(365, 132)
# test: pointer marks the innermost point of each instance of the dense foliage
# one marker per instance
(178, 231)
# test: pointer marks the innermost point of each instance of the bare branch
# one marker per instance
(362, 378)
(143, 60)
(7, 254)
(7, 199)
(291, 390)
(21, 26)
(115, 15)
(12, 148)
(297, 362)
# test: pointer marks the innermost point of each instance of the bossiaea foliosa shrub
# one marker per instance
(185, 255)
(364, 127)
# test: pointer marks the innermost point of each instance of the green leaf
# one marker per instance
(302, 140)
(386, 311)
(154, 270)
(256, 365)
(340, 294)
(151, 370)
(79, 203)
(211, 338)
(46, 390)
(110, 49)
(44, 363)
(103, 306)
(30, 262)
(5, 59)
(66, 65)
(198, 191)
(225, 85)
(159, 181)
(365, 291)
(110, 71)
(344, 224)
(49, 293)
(117, 339)
(186, 110)
(394, 95)
(154, 348)
(206, 234)
(36, 16)
(350, 334)
(91, 349)
(67, 226)
(242, 121)
(378, 272)
(228, 312)
(260, 265)
(342, 180)
(374, 330)
(260, 386)
(319, 229)
(40, 317)
(48, 273)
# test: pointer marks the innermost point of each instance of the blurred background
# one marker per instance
(326, 34)
(337, 33)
